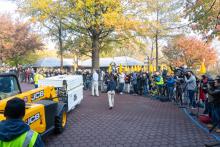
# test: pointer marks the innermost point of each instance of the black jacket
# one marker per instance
(215, 93)
(111, 85)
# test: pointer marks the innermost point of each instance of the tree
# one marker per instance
(17, 40)
(189, 51)
(50, 15)
(162, 18)
(6, 33)
(204, 15)
(93, 19)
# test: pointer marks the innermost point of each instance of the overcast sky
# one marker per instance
(7, 6)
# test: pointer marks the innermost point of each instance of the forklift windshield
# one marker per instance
(8, 86)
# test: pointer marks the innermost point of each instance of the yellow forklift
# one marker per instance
(45, 113)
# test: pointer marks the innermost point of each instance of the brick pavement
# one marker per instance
(134, 122)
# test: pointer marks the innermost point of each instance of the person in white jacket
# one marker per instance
(121, 82)
(95, 83)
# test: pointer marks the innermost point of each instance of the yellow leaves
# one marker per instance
(41, 4)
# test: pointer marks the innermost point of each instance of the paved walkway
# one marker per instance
(134, 122)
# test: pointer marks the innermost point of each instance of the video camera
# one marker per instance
(211, 83)
(180, 73)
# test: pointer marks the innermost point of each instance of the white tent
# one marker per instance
(53, 62)
(105, 62)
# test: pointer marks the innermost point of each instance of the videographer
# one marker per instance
(191, 86)
(215, 94)
(179, 76)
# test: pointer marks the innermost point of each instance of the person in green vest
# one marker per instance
(14, 132)
(159, 82)
(37, 76)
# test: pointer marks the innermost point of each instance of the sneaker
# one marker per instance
(110, 108)
(121, 93)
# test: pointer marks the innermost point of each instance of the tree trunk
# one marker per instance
(60, 45)
(157, 54)
(95, 53)
(61, 61)
(156, 37)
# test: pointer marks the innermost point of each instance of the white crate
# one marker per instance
(75, 97)
(57, 81)
(74, 88)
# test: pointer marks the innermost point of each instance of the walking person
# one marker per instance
(95, 83)
(111, 87)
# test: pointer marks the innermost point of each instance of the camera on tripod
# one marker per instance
(180, 73)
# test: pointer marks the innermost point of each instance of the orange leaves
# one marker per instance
(16, 39)
(190, 51)
(197, 50)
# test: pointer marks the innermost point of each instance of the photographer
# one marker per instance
(215, 94)
(191, 88)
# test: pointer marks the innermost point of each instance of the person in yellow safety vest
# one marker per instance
(14, 132)
(159, 82)
(37, 77)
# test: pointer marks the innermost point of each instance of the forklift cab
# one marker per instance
(9, 86)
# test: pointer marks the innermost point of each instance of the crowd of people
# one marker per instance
(182, 87)
(32, 75)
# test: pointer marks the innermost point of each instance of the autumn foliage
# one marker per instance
(16, 40)
(189, 51)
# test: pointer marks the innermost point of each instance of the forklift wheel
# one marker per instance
(60, 121)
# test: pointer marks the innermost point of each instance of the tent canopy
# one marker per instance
(53, 62)
(105, 62)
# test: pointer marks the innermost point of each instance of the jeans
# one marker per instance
(170, 92)
(121, 87)
(145, 90)
(206, 111)
(191, 94)
(135, 88)
(216, 115)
